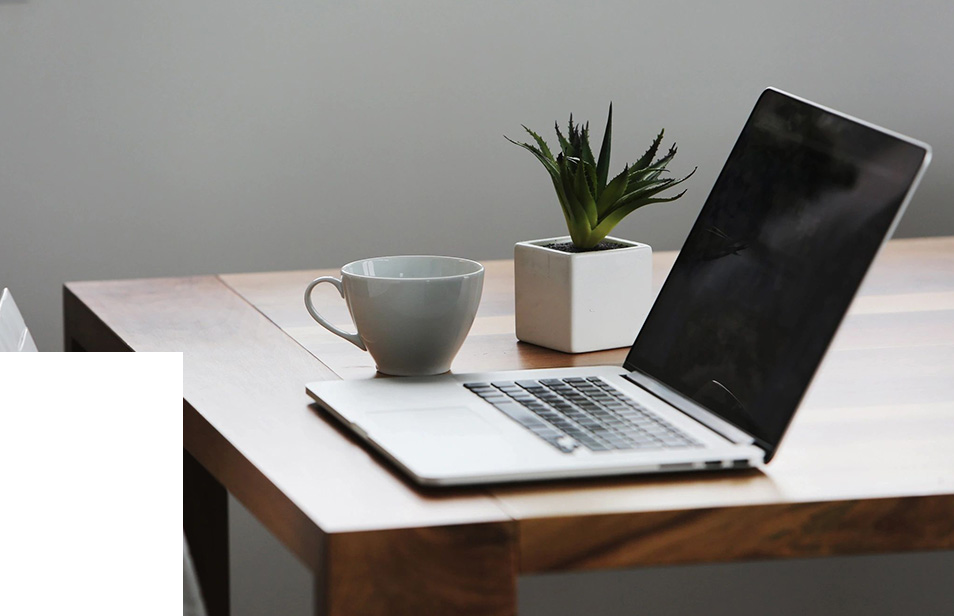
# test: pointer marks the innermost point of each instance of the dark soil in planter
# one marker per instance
(569, 247)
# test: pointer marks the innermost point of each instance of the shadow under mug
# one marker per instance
(412, 313)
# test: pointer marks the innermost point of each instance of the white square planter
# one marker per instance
(581, 302)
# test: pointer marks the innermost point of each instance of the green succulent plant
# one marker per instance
(591, 205)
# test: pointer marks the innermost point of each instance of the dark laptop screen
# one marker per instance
(773, 262)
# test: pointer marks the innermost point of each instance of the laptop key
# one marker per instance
(521, 415)
(558, 440)
(578, 411)
(546, 432)
(576, 434)
(645, 445)
(593, 445)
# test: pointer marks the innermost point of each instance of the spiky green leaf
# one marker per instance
(653, 171)
(544, 148)
(609, 222)
(576, 211)
(584, 194)
(635, 186)
(587, 153)
(561, 194)
(653, 184)
(649, 154)
(668, 157)
(548, 163)
(612, 193)
(602, 164)
(564, 144)
(644, 196)
(590, 163)
(591, 206)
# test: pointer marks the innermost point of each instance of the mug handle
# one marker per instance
(354, 339)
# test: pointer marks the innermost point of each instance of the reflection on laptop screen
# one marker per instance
(773, 262)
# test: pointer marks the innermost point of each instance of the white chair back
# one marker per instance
(14, 335)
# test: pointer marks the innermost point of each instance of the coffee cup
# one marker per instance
(411, 313)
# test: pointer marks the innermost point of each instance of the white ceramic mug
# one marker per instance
(411, 313)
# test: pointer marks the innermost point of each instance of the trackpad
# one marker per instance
(441, 421)
(440, 443)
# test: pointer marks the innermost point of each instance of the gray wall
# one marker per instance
(187, 137)
(183, 137)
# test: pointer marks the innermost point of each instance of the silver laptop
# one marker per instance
(801, 208)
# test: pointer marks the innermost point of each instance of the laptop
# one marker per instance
(805, 201)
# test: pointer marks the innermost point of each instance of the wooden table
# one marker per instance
(867, 467)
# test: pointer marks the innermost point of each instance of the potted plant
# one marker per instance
(589, 291)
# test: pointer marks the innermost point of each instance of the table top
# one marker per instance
(871, 448)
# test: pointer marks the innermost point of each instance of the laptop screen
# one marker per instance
(772, 263)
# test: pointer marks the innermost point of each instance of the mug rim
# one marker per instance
(478, 268)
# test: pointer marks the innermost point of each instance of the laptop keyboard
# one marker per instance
(568, 413)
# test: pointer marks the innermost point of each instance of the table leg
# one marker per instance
(457, 570)
(205, 522)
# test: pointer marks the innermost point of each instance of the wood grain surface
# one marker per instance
(247, 412)
(249, 423)
(877, 423)
(797, 530)
(470, 570)
(867, 466)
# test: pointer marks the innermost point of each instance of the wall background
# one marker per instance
(183, 137)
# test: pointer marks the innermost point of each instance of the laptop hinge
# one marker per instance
(693, 410)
